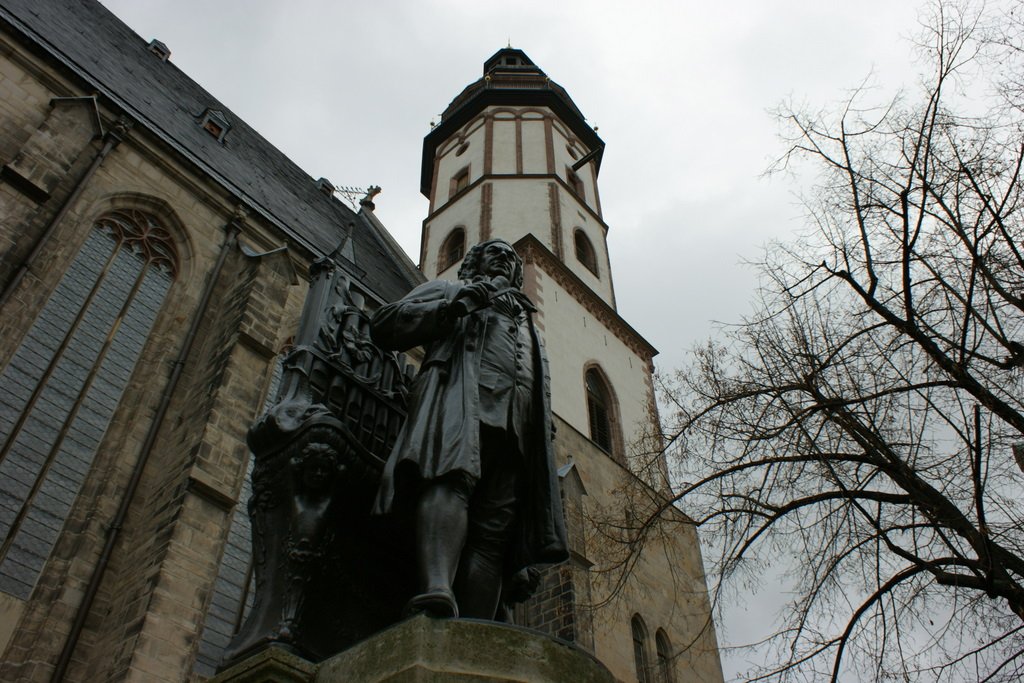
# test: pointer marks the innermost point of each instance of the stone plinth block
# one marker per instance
(425, 650)
(273, 665)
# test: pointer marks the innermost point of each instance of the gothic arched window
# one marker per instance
(640, 649)
(663, 651)
(599, 409)
(452, 250)
(585, 253)
(65, 380)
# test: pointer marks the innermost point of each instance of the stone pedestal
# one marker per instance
(425, 650)
(273, 665)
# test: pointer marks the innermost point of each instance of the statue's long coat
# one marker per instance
(442, 432)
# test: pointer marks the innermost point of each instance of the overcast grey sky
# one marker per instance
(680, 92)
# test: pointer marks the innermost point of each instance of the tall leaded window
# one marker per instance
(663, 650)
(599, 409)
(65, 380)
(452, 250)
(640, 649)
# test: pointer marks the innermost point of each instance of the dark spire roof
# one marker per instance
(511, 78)
(110, 58)
(510, 59)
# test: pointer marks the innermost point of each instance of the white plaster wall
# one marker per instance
(465, 213)
(561, 137)
(535, 156)
(520, 206)
(574, 338)
(574, 217)
(503, 159)
(450, 162)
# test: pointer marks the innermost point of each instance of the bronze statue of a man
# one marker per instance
(474, 458)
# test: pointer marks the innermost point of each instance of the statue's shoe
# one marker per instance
(436, 603)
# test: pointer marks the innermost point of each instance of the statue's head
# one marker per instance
(490, 258)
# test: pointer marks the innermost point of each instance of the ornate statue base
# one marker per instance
(326, 573)
(426, 650)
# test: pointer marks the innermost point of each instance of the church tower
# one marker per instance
(512, 157)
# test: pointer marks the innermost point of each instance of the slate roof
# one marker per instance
(115, 61)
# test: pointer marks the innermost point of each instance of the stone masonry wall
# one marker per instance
(665, 586)
(154, 589)
(187, 510)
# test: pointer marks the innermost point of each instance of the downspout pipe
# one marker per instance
(111, 139)
(114, 529)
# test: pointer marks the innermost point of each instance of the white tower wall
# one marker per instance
(500, 165)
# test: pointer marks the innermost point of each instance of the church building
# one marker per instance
(154, 260)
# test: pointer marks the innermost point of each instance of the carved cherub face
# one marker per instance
(317, 465)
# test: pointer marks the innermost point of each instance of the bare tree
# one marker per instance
(864, 427)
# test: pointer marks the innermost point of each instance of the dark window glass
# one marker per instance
(664, 653)
(598, 407)
(460, 181)
(214, 123)
(452, 250)
(585, 253)
(640, 649)
(575, 183)
(213, 129)
(64, 383)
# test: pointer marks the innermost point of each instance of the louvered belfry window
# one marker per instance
(66, 379)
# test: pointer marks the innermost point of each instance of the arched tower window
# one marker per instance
(585, 253)
(600, 409)
(453, 249)
(65, 380)
(640, 649)
(664, 654)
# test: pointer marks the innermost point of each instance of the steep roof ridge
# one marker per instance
(108, 55)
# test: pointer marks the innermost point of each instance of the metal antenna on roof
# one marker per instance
(351, 195)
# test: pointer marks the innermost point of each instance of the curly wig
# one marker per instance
(470, 269)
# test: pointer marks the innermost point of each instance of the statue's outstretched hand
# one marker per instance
(471, 297)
